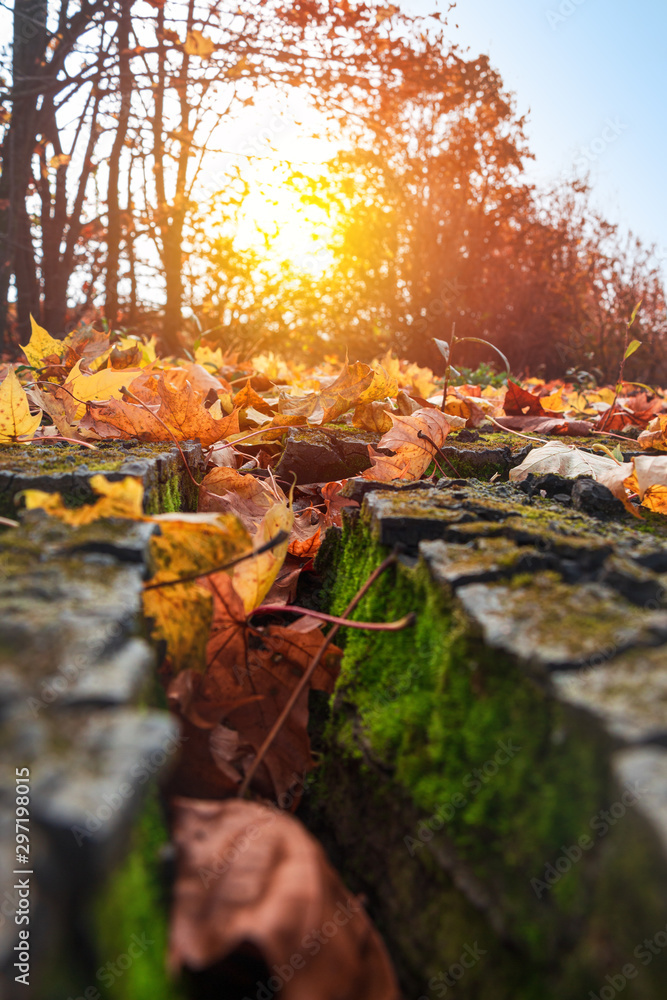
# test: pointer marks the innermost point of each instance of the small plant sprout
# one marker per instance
(447, 351)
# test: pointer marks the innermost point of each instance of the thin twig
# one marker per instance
(59, 437)
(300, 687)
(394, 626)
(282, 536)
(508, 430)
(420, 434)
(445, 386)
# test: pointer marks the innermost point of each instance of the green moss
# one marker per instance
(437, 709)
(434, 705)
(133, 910)
(426, 717)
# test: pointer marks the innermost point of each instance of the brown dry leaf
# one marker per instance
(655, 435)
(279, 895)
(181, 410)
(346, 391)
(231, 492)
(15, 419)
(519, 402)
(129, 357)
(285, 584)
(250, 499)
(250, 675)
(547, 425)
(57, 404)
(471, 408)
(340, 395)
(306, 536)
(335, 503)
(412, 454)
(373, 417)
(406, 405)
(247, 397)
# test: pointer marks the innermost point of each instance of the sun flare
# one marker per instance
(280, 219)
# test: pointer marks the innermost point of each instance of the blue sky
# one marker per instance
(575, 66)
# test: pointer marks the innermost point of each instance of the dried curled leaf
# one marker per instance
(655, 435)
(250, 675)
(252, 876)
(412, 453)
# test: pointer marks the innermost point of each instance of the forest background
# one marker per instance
(120, 203)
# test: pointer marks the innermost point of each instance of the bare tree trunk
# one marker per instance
(114, 230)
(16, 249)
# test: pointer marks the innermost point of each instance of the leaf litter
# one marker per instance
(237, 672)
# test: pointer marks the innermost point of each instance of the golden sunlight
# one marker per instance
(280, 219)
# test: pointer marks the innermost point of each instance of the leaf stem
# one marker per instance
(420, 434)
(394, 626)
(301, 686)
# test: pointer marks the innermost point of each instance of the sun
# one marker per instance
(277, 219)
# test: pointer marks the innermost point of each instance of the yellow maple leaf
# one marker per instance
(181, 612)
(41, 345)
(148, 348)
(15, 419)
(382, 387)
(98, 387)
(123, 498)
(209, 358)
(254, 578)
(554, 402)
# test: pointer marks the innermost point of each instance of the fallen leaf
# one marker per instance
(15, 419)
(178, 413)
(566, 460)
(412, 454)
(41, 346)
(383, 386)
(650, 482)
(182, 612)
(254, 578)
(249, 677)
(306, 536)
(547, 425)
(249, 876)
(655, 435)
(123, 498)
(102, 385)
(519, 402)
(373, 417)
